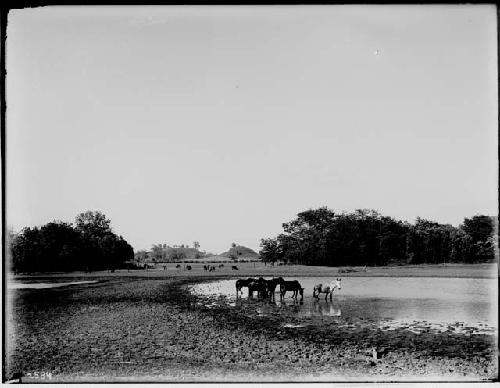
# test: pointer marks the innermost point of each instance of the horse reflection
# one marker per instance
(288, 303)
(325, 309)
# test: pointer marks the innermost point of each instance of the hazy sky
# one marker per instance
(219, 124)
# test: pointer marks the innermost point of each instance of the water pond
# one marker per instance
(444, 304)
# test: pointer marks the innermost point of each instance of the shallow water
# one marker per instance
(17, 286)
(443, 304)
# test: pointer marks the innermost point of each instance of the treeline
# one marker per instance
(365, 237)
(89, 245)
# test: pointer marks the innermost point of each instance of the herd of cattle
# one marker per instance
(208, 268)
(211, 268)
(267, 288)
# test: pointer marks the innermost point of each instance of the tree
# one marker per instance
(97, 239)
(58, 246)
(462, 247)
(124, 252)
(93, 223)
(271, 250)
(307, 236)
(177, 256)
(26, 252)
(55, 246)
(365, 237)
(481, 230)
(479, 227)
(158, 254)
(141, 256)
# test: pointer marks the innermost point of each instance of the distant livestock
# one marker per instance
(188, 268)
(234, 268)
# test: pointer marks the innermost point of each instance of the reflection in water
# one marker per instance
(447, 302)
(288, 302)
(328, 308)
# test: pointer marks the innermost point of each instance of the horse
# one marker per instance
(188, 268)
(319, 289)
(240, 283)
(271, 285)
(221, 265)
(178, 266)
(259, 285)
(205, 267)
(234, 268)
(293, 286)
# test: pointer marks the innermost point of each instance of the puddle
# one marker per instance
(419, 327)
(420, 305)
(292, 325)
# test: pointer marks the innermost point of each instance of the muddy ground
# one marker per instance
(152, 329)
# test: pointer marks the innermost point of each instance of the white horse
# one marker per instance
(328, 289)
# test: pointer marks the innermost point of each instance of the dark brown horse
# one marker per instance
(240, 283)
(293, 286)
(259, 285)
(272, 284)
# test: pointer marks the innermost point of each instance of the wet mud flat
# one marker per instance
(155, 330)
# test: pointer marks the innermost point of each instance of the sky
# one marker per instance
(218, 124)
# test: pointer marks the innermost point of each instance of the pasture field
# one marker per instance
(479, 271)
(146, 326)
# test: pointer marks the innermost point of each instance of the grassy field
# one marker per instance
(259, 269)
